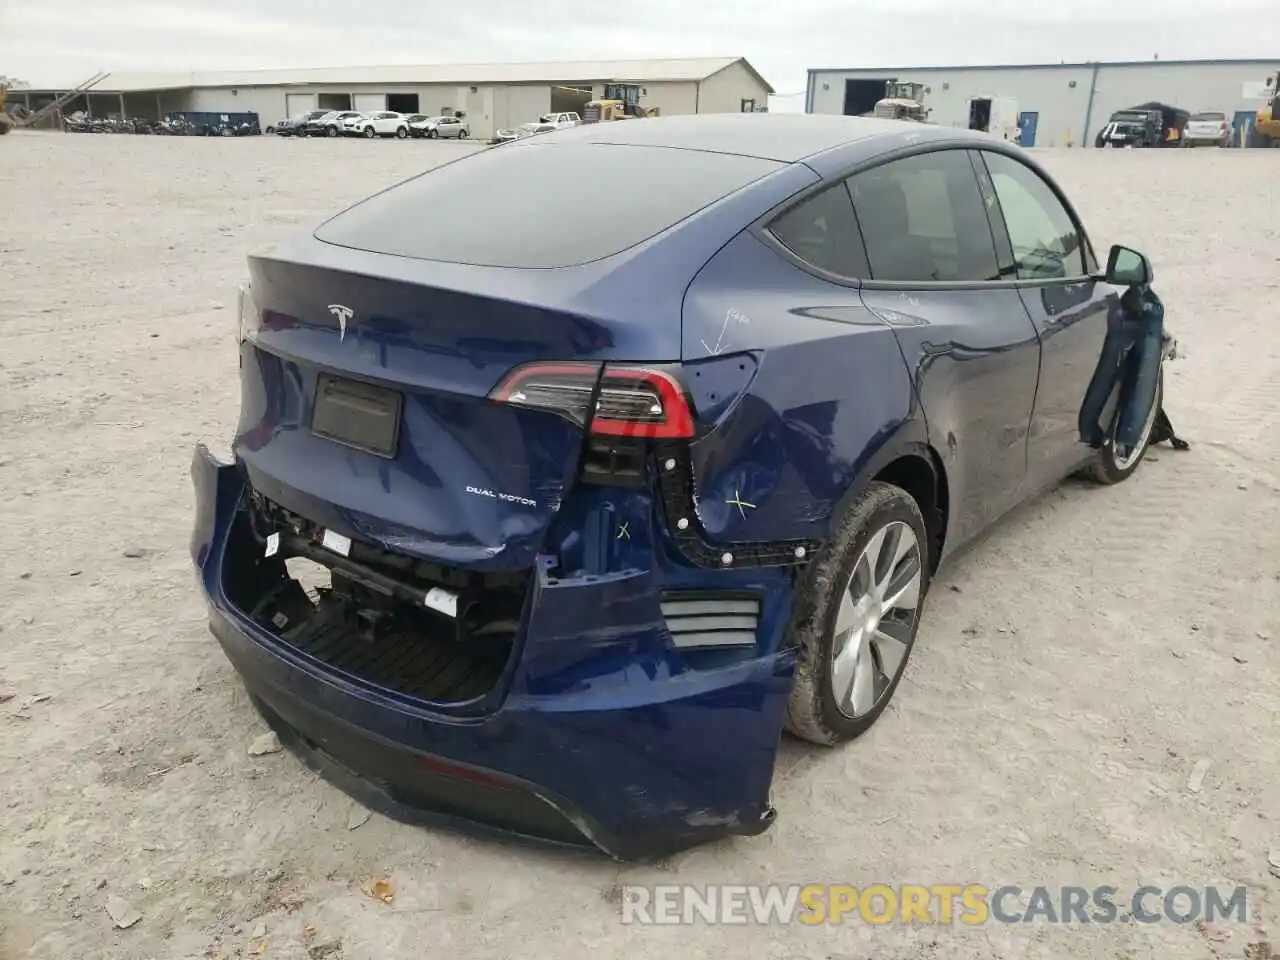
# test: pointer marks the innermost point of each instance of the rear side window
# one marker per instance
(923, 219)
(823, 231)
(542, 206)
(1046, 242)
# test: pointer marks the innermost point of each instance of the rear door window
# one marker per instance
(823, 232)
(542, 206)
(923, 220)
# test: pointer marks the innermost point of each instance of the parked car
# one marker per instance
(294, 126)
(561, 121)
(1209, 126)
(603, 509)
(521, 132)
(379, 123)
(329, 124)
(1130, 128)
(440, 127)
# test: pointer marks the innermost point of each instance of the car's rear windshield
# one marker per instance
(542, 206)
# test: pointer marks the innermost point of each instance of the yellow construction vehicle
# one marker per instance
(902, 101)
(621, 101)
(1267, 122)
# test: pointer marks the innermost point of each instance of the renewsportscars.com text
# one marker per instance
(971, 904)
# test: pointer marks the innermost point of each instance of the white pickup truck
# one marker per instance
(561, 120)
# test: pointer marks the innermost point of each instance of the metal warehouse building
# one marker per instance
(492, 96)
(1059, 104)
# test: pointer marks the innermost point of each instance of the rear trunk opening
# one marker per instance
(419, 629)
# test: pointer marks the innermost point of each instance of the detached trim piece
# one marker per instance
(675, 482)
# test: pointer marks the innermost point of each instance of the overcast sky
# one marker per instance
(60, 42)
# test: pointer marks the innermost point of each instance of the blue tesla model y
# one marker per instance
(572, 472)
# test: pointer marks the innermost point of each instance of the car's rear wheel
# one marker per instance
(331, 132)
(401, 133)
(1114, 464)
(463, 134)
(857, 613)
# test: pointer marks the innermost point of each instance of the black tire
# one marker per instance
(813, 712)
(331, 131)
(369, 133)
(431, 134)
(1107, 468)
(402, 132)
(463, 134)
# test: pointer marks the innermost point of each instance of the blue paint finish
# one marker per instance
(610, 723)
(1028, 120)
(776, 467)
(1242, 127)
(974, 360)
(803, 388)
(1071, 319)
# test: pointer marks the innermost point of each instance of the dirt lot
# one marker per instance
(1073, 674)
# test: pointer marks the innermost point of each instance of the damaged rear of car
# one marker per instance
(449, 554)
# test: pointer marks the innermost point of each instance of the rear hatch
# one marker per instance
(419, 375)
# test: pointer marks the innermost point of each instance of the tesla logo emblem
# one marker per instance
(343, 314)
(741, 504)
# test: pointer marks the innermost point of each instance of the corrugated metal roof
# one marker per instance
(1088, 65)
(653, 71)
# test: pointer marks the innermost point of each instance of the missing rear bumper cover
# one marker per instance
(419, 629)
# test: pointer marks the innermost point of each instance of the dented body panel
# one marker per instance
(564, 510)
(606, 729)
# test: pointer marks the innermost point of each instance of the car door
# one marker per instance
(965, 335)
(1041, 240)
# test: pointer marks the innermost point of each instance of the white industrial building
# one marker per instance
(491, 96)
(1058, 104)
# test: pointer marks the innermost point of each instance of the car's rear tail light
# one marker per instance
(641, 402)
(621, 401)
(562, 388)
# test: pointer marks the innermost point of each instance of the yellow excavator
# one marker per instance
(621, 101)
(1267, 122)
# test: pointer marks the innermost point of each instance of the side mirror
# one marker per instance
(1126, 267)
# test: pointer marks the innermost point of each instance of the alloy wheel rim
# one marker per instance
(876, 619)
(1125, 460)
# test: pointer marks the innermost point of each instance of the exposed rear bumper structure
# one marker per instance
(593, 737)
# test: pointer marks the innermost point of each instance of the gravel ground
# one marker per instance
(1074, 673)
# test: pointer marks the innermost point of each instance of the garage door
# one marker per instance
(296, 104)
(369, 102)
